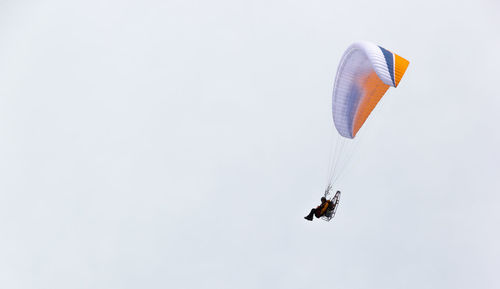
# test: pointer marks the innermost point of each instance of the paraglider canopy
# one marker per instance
(364, 74)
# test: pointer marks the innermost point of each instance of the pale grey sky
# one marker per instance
(178, 144)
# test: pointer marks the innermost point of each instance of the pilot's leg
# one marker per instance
(311, 214)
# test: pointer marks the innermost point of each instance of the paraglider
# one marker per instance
(326, 210)
(365, 73)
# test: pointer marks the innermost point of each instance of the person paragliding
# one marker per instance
(326, 209)
(365, 72)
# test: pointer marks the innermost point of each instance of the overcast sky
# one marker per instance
(178, 144)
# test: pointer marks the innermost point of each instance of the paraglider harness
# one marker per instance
(329, 209)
